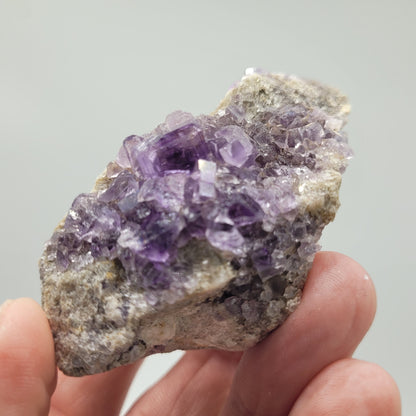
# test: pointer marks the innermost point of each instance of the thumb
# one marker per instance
(27, 359)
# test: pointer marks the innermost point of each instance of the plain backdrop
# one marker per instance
(77, 77)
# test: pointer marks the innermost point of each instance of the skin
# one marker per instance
(303, 368)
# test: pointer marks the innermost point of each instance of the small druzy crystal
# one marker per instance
(199, 234)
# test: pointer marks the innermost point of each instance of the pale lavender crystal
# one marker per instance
(243, 194)
(237, 148)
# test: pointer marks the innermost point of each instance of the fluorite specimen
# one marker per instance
(199, 234)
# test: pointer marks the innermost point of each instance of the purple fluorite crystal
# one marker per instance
(170, 181)
(249, 187)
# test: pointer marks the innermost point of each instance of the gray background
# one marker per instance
(77, 77)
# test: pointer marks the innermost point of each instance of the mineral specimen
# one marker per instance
(199, 234)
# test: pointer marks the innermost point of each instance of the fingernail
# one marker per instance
(3, 308)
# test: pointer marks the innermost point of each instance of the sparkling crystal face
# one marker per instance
(229, 179)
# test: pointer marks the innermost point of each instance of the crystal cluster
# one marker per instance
(201, 232)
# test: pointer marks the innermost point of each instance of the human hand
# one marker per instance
(303, 368)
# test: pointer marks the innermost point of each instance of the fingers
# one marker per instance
(100, 394)
(348, 388)
(197, 385)
(336, 311)
(28, 371)
(27, 360)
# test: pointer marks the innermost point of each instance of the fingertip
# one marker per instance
(350, 387)
(27, 359)
(337, 277)
(381, 383)
(340, 266)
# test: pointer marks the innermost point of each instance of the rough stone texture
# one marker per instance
(199, 234)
